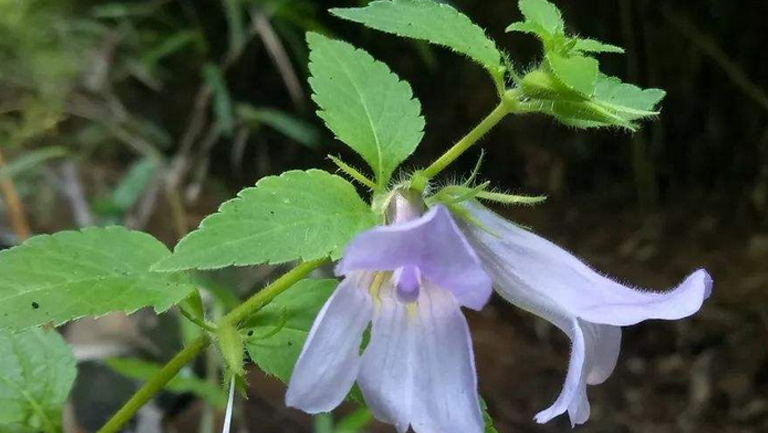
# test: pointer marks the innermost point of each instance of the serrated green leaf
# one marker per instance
(543, 13)
(37, 370)
(594, 46)
(71, 274)
(531, 28)
(428, 20)
(185, 381)
(614, 104)
(627, 100)
(364, 104)
(585, 114)
(298, 215)
(276, 334)
(577, 73)
(544, 20)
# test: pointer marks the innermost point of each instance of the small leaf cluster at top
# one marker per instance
(569, 85)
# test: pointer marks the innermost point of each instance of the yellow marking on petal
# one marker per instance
(375, 289)
(412, 309)
(378, 281)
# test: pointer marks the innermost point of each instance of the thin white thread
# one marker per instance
(230, 404)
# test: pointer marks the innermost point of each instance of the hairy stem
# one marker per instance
(507, 105)
(266, 295)
(169, 371)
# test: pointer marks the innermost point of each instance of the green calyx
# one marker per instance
(453, 195)
(578, 95)
(456, 194)
(232, 348)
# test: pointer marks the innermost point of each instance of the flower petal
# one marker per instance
(330, 359)
(563, 282)
(386, 375)
(575, 384)
(432, 243)
(594, 352)
(606, 344)
(540, 277)
(445, 396)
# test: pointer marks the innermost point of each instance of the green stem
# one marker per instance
(507, 105)
(200, 323)
(154, 385)
(266, 295)
(169, 371)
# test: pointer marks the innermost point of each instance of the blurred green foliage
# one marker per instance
(217, 90)
(142, 87)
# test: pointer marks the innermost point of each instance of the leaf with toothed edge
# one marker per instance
(431, 21)
(577, 73)
(595, 46)
(627, 100)
(544, 14)
(614, 103)
(303, 215)
(71, 274)
(365, 104)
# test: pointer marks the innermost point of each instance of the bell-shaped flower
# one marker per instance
(410, 280)
(542, 278)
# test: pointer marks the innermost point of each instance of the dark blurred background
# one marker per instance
(151, 113)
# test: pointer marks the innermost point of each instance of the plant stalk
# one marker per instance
(506, 106)
(154, 385)
(186, 355)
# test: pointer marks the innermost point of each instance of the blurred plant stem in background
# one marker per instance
(15, 209)
(88, 78)
(709, 46)
(642, 155)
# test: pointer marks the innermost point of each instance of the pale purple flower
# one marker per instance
(409, 279)
(540, 277)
